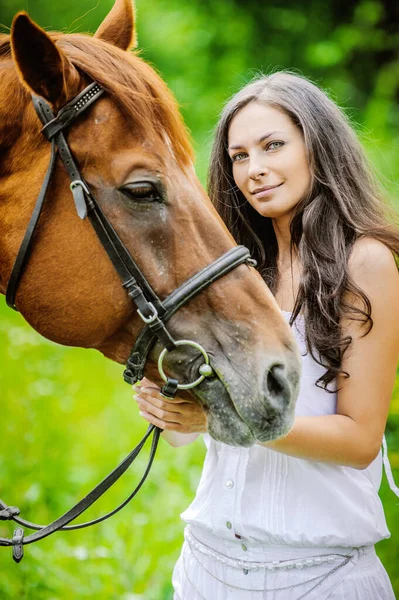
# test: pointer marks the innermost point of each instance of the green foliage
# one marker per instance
(67, 418)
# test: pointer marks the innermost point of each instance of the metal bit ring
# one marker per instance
(205, 369)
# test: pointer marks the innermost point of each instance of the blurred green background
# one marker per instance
(66, 416)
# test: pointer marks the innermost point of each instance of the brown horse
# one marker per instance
(132, 137)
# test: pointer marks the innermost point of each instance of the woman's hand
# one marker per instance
(183, 416)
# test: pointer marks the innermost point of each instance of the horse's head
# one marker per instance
(134, 153)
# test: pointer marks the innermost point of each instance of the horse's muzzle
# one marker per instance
(240, 413)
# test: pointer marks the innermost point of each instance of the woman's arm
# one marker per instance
(353, 436)
(182, 421)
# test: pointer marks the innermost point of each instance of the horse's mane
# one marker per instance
(139, 92)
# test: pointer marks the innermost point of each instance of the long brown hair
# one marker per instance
(343, 205)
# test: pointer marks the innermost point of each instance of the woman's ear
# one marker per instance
(41, 66)
(118, 27)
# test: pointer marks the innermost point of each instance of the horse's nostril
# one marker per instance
(274, 380)
(277, 389)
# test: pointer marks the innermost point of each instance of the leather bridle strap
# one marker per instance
(23, 252)
(85, 203)
(11, 513)
(64, 117)
(197, 283)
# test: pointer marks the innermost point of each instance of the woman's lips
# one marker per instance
(266, 191)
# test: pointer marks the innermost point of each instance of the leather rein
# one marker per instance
(152, 310)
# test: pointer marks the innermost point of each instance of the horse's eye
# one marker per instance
(141, 190)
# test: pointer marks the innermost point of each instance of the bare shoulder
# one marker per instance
(371, 258)
(373, 270)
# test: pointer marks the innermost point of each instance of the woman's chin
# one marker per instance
(274, 208)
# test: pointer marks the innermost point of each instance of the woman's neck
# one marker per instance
(288, 265)
(286, 254)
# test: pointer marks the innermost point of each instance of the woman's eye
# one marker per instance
(275, 145)
(238, 156)
(141, 191)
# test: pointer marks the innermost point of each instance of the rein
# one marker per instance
(153, 311)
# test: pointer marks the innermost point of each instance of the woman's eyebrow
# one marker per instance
(259, 141)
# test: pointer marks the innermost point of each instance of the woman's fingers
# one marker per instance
(160, 412)
(159, 423)
(154, 398)
(147, 385)
(177, 414)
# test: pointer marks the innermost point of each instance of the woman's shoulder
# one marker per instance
(373, 270)
(370, 257)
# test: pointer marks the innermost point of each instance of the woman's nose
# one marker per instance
(257, 168)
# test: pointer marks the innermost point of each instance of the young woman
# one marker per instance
(299, 517)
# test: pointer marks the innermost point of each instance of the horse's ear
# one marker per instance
(41, 66)
(118, 26)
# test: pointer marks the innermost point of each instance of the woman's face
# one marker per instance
(270, 165)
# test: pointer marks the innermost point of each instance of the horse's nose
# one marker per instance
(277, 389)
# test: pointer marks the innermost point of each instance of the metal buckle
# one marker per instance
(77, 183)
(18, 545)
(8, 513)
(153, 317)
(252, 262)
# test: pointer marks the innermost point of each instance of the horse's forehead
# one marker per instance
(108, 128)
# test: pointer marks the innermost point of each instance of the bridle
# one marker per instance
(152, 310)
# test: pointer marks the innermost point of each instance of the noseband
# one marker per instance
(153, 311)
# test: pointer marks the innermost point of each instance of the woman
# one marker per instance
(298, 517)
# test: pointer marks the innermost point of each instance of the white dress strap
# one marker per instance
(388, 469)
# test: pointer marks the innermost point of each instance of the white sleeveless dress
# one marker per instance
(267, 526)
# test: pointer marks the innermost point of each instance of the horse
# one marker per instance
(135, 156)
